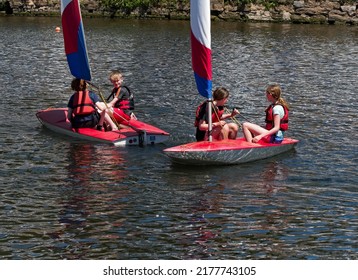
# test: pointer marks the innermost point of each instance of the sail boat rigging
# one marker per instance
(228, 151)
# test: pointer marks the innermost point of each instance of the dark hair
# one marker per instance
(220, 93)
(78, 84)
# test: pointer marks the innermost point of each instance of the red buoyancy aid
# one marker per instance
(82, 103)
(201, 111)
(217, 114)
(270, 119)
(126, 99)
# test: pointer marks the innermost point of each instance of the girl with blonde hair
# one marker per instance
(276, 119)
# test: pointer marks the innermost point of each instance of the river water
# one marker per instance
(61, 198)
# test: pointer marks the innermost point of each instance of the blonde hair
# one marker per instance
(220, 93)
(275, 91)
(78, 84)
(115, 75)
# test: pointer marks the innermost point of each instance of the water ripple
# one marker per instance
(66, 199)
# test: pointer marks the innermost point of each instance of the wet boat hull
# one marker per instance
(226, 152)
(136, 133)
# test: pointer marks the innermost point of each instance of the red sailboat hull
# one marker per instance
(226, 151)
(135, 133)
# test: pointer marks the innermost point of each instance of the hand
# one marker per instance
(234, 112)
(256, 139)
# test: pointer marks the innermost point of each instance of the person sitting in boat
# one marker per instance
(85, 108)
(220, 128)
(122, 103)
(276, 119)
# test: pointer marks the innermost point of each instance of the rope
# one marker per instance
(235, 120)
(105, 103)
(216, 113)
(142, 134)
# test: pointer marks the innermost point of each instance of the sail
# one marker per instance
(74, 38)
(201, 45)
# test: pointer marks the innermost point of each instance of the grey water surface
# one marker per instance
(62, 198)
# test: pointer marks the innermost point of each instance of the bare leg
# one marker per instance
(109, 121)
(233, 129)
(101, 120)
(220, 132)
(250, 130)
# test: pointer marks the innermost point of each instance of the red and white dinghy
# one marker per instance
(230, 151)
(136, 133)
(226, 151)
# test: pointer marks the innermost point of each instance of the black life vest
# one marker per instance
(201, 112)
(125, 99)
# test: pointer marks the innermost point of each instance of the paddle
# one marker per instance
(142, 134)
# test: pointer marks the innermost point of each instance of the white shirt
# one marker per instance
(278, 110)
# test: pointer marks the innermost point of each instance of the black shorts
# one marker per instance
(86, 121)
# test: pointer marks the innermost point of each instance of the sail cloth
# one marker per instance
(74, 38)
(201, 45)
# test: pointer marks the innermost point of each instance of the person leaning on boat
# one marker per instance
(85, 108)
(276, 119)
(122, 103)
(220, 128)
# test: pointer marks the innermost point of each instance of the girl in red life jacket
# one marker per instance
(276, 119)
(220, 128)
(85, 109)
(122, 103)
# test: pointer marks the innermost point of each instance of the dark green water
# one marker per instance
(65, 199)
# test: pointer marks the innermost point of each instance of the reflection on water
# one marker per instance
(67, 199)
(87, 203)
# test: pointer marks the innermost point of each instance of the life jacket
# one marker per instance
(201, 111)
(125, 99)
(270, 119)
(82, 103)
(218, 113)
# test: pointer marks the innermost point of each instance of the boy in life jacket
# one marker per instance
(220, 128)
(122, 103)
(85, 108)
(276, 119)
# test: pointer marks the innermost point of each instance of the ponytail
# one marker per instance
(283, 103)
(275, 91)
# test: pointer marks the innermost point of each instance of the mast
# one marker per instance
(200, 24)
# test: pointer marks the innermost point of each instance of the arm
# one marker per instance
(70, 109)
(116, 97)
(230, 115)
(205, 126)
(69, 114)
(113, 101)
